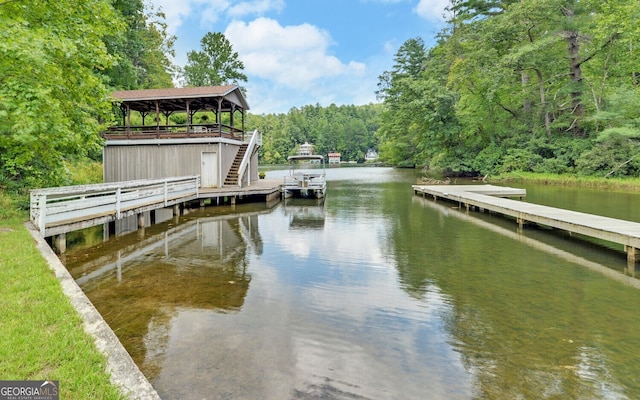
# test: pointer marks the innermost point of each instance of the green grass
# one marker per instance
(622, 184)
(41, 334)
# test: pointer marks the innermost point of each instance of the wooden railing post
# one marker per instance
(118, 198)
(42, 217)
(166, 192)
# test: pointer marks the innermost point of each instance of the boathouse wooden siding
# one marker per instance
(127, 163)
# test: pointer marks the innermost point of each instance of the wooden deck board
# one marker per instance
(259, 187)
(614, 230)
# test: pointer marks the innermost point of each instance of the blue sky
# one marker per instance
(300, 52)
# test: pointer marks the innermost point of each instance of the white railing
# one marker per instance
(55, 210)
(245, 165)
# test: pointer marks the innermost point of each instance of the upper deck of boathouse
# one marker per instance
(159, 104)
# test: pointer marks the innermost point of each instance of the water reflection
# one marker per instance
(374, 294)
(305, 213)
(617, 272)
(140, 287)
(529, 320)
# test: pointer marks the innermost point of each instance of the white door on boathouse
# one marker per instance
(209, 173)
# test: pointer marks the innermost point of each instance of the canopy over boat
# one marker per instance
(307, 157)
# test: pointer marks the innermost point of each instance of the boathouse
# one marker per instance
(216, 149)
(334, 158)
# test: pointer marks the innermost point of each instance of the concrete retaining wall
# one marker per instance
(124, 372)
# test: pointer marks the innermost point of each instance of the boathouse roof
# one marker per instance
(174, 99)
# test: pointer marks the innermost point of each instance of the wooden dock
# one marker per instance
(56, 211)
(270, 189)
(59, 210)
(494, 199)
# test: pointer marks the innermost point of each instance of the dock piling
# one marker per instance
(61, 243)
(140, 220)
(633, 254)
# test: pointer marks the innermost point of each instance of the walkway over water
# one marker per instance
(56, 211)
(60, 210)
(489, 197)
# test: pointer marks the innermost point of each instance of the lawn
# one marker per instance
(41, 334)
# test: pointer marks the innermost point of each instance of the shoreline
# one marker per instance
(123, 371)
(621, 184)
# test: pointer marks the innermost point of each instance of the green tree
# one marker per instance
(216, 64)
(142, 50)
(52, 102)
(349, 130)
(394, 88)
(540, 85)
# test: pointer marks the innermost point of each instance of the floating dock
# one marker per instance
(270, 190)
(496, 199)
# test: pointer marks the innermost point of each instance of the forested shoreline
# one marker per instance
(548, 86)
(545, 86)
(348, 130)
(536, 86)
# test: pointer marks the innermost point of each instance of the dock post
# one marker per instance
(233, 200)
(632, 254)
(176, 210)
(202, 203)
(61, 243)
(140, 220)
(105, 231)
(632, 258)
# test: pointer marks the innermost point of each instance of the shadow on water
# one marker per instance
(529, 318)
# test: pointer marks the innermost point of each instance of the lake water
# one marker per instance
(374, 293)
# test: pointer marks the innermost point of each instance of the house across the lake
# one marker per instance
(306, 149)
(218, 150)
(334, 158)
(372, 155)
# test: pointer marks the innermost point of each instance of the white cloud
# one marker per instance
(176, 11)
(432, 10)
(294, 56)
(293, 65)
(255, 7)
(212, 11)
(287, 66)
